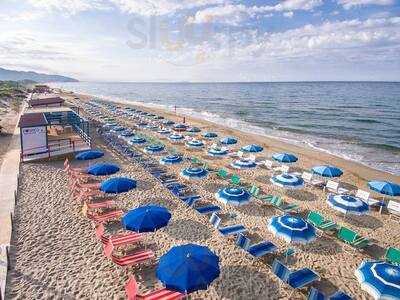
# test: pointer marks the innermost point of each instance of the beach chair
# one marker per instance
(256, 250)
(339, 295)
(196, 161)
(117, 239)
(315, 294)
(215, 220)
(349, 237)
(277, 202)
(106, 217)
(333, 187)
(269, 164)
(138, 257)
(222, 173)
(365, 196)
(319, 222)
(295, 279)
(310, 180)
(393, 208)
(208, 209)
(235, 179)
(131, 290)
(392, 255)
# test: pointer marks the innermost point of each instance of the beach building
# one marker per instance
(48, 101)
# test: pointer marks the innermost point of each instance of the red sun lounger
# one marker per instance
(118, 239)
(131, 290)
(105, 217)
(135, 258)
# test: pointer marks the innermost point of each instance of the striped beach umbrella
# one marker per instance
(154, 149)
(152, 127)
(142, 124)
(285, 157)
(164, 131)
(171, 159)
(194, 173)
(292, 229)
(193, 129)
(180, 127)
(176, 137)
(137, 140)
(117, 129)
(327, 171)
(195, 144)
(210, 135)
(253, 148)
(218, 152)
(233, 196)
(147, 218)
(347, 204)
(243, 163)
(125, 134)
(287, 181)
(380, 279)
(385, 187)
(168, 122)
(228, 140)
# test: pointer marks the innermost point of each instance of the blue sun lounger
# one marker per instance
(215, 220)
(256, 250)
(190, 200)
(318, 295)
(208, 209)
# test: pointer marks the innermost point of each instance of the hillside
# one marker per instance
(37, 77)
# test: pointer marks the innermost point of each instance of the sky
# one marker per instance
(203, 40)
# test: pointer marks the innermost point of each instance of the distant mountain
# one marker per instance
(37, 77)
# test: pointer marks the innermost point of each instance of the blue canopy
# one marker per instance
(126, 133)
(385, 187)
(254, 148)
(90, 154)
(137, 140)
(102, 169)
(118, 129)
(217, 152)
(233, 196)
(195, 144)
(142, 124)
(188, 268)
(327, 171)
(379, 279)
(194, 173)
(228, 141)
(193, 129)
(171, 159)
(168, 122)
(164, 131)
(243, 163)
(180, 127)
(176, 137)
(117, 185)
(287, 181)
(210, 135)
(285, 157)
(154, 148)
(146, 218)
(292, 229)
(347, 204)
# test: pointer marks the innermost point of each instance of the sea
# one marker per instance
(359, 121)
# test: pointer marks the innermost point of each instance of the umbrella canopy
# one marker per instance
(142, 124)
(233, 196)
(327, 171)
(146, 218)
(168, 122)
(253, 148)
(102, 169)
(118, 129)
(193, 129)
(347, 204)
(154, 148)
(292, 229)
(285, 157)
(137, 140)
(171, 159)
(287, 181)
(110, 124)
(180, 127)
(217, 152)
(90, 154)
(194, 173)
(188, 268)
(126, 133)
(152, 127)
(379, 279)
(228, 141)
(117, 185)
(385, 187)
(243, 164)
(195, 144)
(210, 135)
(176, 137)
(164, 131)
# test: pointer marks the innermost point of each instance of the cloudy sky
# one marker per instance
(203, 40)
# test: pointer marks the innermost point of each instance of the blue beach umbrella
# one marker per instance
(110, 125)
(218, 152)
(176, 137)
(154, 148)
(253, 148)
(89, 154)
(210, 135)
(102, 169)
(171, 159)
(287, 181)
(142, 124)
(117, 185)
(193, 130)
(379, 279)
(137, 140)
(228, 141)
(194, 173)
(196, 144)
(285, 157)
(164, 131)
(152, 127)
(126, 133)
(292, 229)
(243, 163)
(180, 127)
(385, 187)
(118, 129)
(188, 268)
(168, 122)
(347, 204)
(147, 218)
(327, 171)
(233, 196)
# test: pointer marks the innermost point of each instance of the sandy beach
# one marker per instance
(55, 253)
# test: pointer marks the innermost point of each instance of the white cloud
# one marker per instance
(69, 7)
(288, 14)
(25, 16)
(347, 4)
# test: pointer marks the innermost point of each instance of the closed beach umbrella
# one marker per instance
(287, 181)
(347, 204)
(188, 268)
(210, 135)
(102, 169)
(137, 140)
(233, 196)
(147, 218)
(193, 130)
(194, 173)
(90, 154)
(327, 171)
(379, 279)
(292, 229)
(243, 163)
(228, 141)
(176, 137)
(171, 159)
(217, 152)
(385, 187)
(196, 144)
(253, 148)
(285, 157)
(154, 148)
(117, 185)
(180, 127)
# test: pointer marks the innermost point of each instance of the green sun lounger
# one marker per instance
(277, 202)
(222, 173)
(319, 221)
(393, 255)
(352, 238)
(235, 180)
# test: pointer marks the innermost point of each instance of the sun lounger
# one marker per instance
(393, 256)
(222, 173)
(393, 208)
(256, 250)
(333, 187)
(88, 186)
(310, 180)
(106, 217)
(235, 180)
(135, 258)
(339, 295)
(208, 209)
(117, 239)
(190, 200)
(319, 221)
(352, 238)
(365, 196)
(131, 290)
(315, 294)
(269, 164)
(215, 220)
(277, 202)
